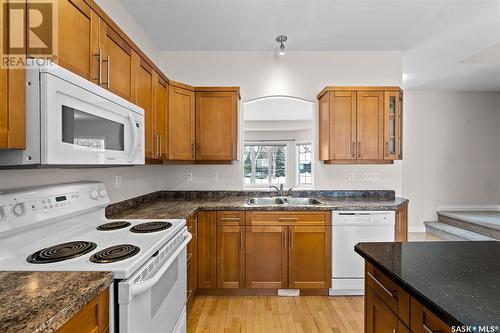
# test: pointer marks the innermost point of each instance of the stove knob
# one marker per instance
(102, 193)
(94, 194)
(19, 209)
(3, 213)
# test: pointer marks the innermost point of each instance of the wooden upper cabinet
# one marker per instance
(78, 38)
(230, 256)
(144, 97)
(266, 257)
(216, 125)
(309, 257)
(181, 123)
(12, 99)
(343, 125)
(360, 124)
(116, 63)
(161, 116)
(370, 125)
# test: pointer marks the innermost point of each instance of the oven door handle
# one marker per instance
(133, 130)
(148, 284)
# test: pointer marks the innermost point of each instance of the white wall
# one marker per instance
(451, 151)
(301, 74)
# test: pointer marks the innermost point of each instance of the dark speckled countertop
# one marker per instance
(44, 301)
(170, 207)
(458, 281)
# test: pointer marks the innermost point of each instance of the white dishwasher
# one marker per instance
(348, 229)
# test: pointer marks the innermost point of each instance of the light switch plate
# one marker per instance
(118, 181)
(189, 176)
(371, 176)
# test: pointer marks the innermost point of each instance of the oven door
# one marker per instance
(154, 298)
(81, 126)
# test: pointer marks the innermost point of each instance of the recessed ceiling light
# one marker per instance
(281, 39)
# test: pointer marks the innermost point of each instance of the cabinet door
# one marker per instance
(343, 125)
(391, 124)
(370, 125)
(324, 127)
(378, 317)
(266, 257)
(399, 141)
(117, 62)
(216, 125)
(230, 256)
(401, 225)
(424, 321)
(12, 108)
(181, 124)
(309, 257)
(78, 38)
(206, 249)
(144, 98)
(161, 113)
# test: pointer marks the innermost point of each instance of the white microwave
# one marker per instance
(71, 121)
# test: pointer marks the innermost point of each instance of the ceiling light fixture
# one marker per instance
(281, 39)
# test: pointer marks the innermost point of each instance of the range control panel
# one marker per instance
(24, 207)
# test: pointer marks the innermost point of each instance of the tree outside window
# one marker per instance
(265, 164)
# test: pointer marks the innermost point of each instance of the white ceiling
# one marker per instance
(444, 42)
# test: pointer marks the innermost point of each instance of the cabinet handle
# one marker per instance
(161, 146)
(387, 144)
(286, 234)
(99, 67)
(241, 239)
(188, 257)
(354, 149)
(359, 149)
(380, 284)
(291, 238)
(288, 219)
(108, 82)
(230, 218)
(428, 330)
(193, 150)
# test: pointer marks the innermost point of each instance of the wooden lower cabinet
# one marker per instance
(93, 318)
(401, 224)
(266, 256)
(207, 234)
(390, 309)
(309, 257)
(230, 256)
(379, 318)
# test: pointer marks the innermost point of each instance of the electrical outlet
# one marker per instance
(350, 177)
(118, 181)
(189, 176)
(215, 176)
(371, 176)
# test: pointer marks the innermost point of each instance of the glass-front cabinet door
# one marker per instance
(392, 125)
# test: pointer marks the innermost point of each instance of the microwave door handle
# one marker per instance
(148, 284)
(133, 130)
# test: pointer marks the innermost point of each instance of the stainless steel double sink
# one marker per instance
(271, 201)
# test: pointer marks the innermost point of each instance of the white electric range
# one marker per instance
(64, 228)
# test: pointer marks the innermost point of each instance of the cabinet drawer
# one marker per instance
(231, 217)
(391, 294)
(287, 218)
(424, 321)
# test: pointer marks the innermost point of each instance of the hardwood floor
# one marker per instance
(272, 314)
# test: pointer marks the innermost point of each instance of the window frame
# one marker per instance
(297, 164)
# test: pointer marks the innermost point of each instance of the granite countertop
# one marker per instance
(458, 281)
(45, 301)
(181, 208)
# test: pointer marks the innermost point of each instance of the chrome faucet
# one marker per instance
(280, 189)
